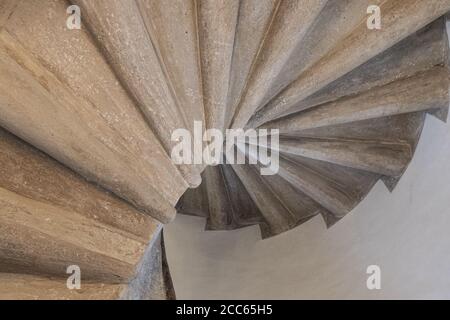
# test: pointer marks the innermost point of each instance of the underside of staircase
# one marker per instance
(87, 116)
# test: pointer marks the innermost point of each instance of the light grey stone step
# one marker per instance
(423, 91)
(381, 157)
(124, 39)
(254, 22)
(419, 52)
(291, 23)
(400, 19)
(217, 28)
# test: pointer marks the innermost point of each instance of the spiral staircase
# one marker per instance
(87, 117)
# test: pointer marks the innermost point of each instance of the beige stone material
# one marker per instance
(216, 27)
(52, 218)
(400, 19)
(27, 287)
(6, 8)
(336, 21)
(277, 218)
(292, 21)
(88, 117)
(127, 44)
(424, 91)
(254, 20)
(419, 52)
(377, 157)
(172, 25)
(98, 107)
(218, 203)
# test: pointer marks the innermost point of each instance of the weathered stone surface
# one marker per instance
(300, 206)
(293, 20)
(6, 8)
(254, 20)
(419, 52)
(219, 205)
(153, 280)
(364, 120)
(59, 94)
(402, 128)
(276, 218)
(400, 19)
(424, 91)
(28, 287)
(172, 25)
(104, 101)
(217, 27)
(336, 20)
(337, 189)
(377, 157)
(52, 218)
(223, 199)
(194, 202)
(124, 39)
(229, 205)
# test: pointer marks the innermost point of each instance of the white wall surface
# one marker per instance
(406, 233)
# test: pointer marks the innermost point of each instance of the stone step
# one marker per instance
(59, 94)
(222, 199)
(51, 218)
(216, 28)
(381, 157)
(29, 287)
(419, 52)
(277, 217)
(175, 22)
(125, 41)
(254, 21)
(423, 91)
(102, 102)
(290, 24)
(400, 19)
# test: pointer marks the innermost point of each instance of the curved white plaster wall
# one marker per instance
(406, 233)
